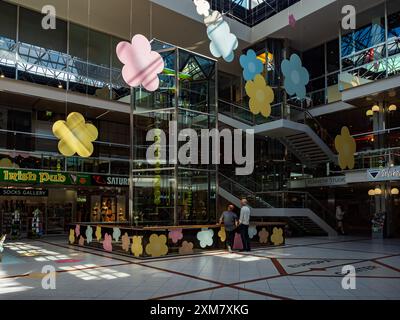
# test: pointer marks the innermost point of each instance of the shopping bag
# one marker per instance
(237, 243)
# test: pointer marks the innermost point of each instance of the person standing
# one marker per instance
(244, 222)
(230, 219)
(339, 218)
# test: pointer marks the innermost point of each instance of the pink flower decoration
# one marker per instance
(292, 21)
(77, 230)
(175, 235)
(142, 65)
(107, 243)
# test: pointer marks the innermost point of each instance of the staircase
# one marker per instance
(309, 147)
(300, 209)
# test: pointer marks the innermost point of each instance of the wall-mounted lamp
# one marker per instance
(394, 192)
(371, 192)
(378, 191)
(392, 107)
(370, 113)
(375, 108)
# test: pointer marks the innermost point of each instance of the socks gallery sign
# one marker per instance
(384, 174)
(24, 192)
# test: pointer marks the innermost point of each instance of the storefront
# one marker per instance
(48, 201)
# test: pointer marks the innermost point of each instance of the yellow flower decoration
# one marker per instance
(277, 236)
(222, 234)
(76, 136)
(187, 248)
(7, 163)
(346, 146)
(137, 248)
(98, 233)
(71, 236)
(261, 96)
(157, 246)
(125, 242)
(263, 236)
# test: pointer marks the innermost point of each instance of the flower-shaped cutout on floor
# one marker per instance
(116, 234)
(71, 236)
(107, 243)
(141, 64)
(251, 65)
(252, 231)
(261, 96)
(296, 76)
(157, 246)
(205, 236)
(75, 135)
(126, 242)
(98, 233)
(175, 235)
(187, 248)
(202, 7)
(277, 236)
(346, 146)
(89, 234)
(137, 247)
(263, 236)
(223, 42)
(222, 234)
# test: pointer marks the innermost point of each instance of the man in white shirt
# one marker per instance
(244, 222)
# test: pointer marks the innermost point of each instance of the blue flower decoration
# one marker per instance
(296, 76)
(251, 65)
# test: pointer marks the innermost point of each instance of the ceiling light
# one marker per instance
(378, 191)
(395, 191)
(371, 192)
(370, 113)
(392, 107)
(375, 108)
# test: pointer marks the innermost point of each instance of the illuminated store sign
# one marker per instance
(392, 173)
(24, 192)
(42, 177)
(110, 181)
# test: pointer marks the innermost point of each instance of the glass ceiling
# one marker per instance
(251, 12)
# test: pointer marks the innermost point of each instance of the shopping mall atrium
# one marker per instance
(200, 149)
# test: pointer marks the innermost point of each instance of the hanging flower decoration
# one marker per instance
(175, 235)
(292, 20)
(223, 42)
(346, 146)
(7, 163)
(296, 76)
(261, 96)
(187, 248)
(277, 236)
(75, 135)
(202, 7)
(251, 65)
(263, 236)
(214, 18)
(157, 246)
(137, 248)
(205, 237)
(141, 64)
(126, 242)
(89, 234)
(107, 243)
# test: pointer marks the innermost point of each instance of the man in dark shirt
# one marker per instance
(230, 219)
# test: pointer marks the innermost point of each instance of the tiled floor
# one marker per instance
(305, 269)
